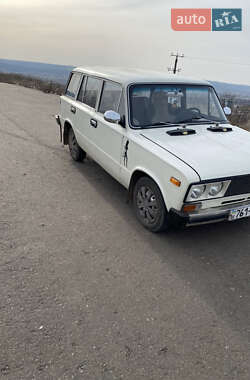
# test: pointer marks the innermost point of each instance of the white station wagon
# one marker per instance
(165, 138)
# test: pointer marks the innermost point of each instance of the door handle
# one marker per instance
(93, 123)
(73, 109)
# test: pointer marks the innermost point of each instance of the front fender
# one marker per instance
(160, 166)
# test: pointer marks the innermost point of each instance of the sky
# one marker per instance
(127, 33)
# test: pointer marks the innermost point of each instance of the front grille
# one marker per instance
(239, 185)
(233, 201)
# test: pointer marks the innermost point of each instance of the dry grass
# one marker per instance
(241, 117)
(48, 87)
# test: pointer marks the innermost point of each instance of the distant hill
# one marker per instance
(231, 88)
(56, 73)
(60, 73)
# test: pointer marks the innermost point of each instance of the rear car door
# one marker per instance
(87, 100)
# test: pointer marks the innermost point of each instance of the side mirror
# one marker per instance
(227, 110)
(112, 116)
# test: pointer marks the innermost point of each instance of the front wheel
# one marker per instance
(76, 151)
(149, 205)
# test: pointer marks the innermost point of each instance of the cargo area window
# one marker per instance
(73, 85)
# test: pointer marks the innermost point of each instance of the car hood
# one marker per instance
(211, 154)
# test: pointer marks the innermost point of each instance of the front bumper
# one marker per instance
(203, 216)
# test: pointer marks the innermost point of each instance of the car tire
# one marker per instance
(75, 150)
(149, 205)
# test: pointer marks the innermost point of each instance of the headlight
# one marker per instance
(197, 191)
(207, 190)
(215, 189)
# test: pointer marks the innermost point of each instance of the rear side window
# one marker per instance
(92, 89)
(80, 94)
(73, 85)
(111, 95)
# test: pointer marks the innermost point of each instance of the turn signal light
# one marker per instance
(190, 208)
(175, 181)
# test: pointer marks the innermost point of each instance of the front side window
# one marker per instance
(156, 104)
(111, 95)
(92, 90)
(73, 85)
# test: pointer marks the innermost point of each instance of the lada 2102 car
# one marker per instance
(165, 138)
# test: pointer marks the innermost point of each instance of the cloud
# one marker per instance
(119, 32)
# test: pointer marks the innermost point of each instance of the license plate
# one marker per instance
(239, 212)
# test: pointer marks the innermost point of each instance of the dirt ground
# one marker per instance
(86, 292)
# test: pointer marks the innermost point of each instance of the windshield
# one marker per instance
(159, 104)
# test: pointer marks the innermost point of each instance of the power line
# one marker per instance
(216, 61)
(175, 68)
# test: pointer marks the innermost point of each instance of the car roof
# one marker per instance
(128, 76)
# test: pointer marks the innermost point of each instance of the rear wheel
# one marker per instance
(76, 151)
(149, 205)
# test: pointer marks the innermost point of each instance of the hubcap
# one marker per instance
(147, 205)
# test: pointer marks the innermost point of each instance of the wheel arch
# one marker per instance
(136, 175)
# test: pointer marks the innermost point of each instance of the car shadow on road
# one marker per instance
(213, 259)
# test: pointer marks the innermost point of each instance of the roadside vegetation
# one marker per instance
(240, 109)
(241, 117)
(46, 86)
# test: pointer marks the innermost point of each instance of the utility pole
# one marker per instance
(175, 69)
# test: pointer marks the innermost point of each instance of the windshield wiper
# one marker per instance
(205, 121)
(159, 123)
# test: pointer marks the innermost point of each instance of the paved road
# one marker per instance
(86, 292)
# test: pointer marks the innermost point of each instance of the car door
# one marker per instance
(87, 99)
(108, 136)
